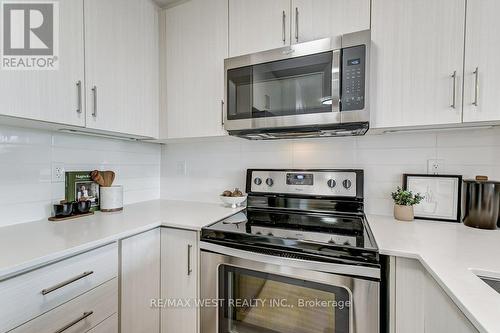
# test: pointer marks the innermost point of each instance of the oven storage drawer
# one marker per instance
(78, 315)
(31, 294)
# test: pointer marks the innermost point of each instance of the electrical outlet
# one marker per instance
(434, 167)
(58, 172)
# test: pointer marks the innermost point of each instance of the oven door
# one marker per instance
(296, 85)
(257, 295)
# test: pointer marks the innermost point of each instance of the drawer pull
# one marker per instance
(65, 283)
(74, 322)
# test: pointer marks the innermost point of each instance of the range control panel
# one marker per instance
(353, 78)
(317, 183)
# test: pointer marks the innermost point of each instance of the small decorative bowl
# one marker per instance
(233, 202)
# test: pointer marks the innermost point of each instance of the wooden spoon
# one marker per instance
(97, 177)
(109, 177)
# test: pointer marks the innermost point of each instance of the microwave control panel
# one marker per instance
(353, 78)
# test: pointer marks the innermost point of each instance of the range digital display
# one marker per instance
(299, 179)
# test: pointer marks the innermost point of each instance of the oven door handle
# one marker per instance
(358, 271)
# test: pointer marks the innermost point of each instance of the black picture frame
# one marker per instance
(456, 219)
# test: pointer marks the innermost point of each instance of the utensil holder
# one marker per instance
(111, 198)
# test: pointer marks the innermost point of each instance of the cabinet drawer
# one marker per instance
(78, 315)
(110, 325)
(29, 295)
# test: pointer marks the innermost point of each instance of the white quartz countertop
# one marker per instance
(28, 245)
(451, 252)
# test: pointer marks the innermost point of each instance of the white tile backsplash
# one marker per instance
(26, 157)
(216, 164)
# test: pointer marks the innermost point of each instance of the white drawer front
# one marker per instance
(29, 295)
(110, 325)
(78, 315)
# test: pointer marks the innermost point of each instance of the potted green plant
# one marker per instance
(404, 201)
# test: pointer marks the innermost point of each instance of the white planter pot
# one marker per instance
(403, 213)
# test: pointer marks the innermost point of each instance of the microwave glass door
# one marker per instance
(295, 86)
(259, 302)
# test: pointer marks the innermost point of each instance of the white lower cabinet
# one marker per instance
(78, 315)
(179, 279)
(140, 282)
(110, 325)
(29, 295)
(421, 305)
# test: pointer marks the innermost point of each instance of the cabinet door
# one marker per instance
(121, 58)
(417, 46)
(482, 46)
(140, 282)
(179, 279)
(316, 19)
(51, 95)
(195, 37)
(421, 305)
(258, 25)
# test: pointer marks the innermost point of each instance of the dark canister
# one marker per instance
(482, 203)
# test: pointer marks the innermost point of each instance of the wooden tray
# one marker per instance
(65, 218)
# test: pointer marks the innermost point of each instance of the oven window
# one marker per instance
(257, 302)
(300, 85)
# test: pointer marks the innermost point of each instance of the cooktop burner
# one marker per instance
(328, 227)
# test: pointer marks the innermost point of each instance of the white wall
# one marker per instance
(26, 158)
(213, 165)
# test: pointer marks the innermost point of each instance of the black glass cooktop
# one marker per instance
(329, 237)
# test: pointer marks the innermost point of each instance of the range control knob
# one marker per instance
(332, 183)
(269, 182)
(257, 181)
(347, 184)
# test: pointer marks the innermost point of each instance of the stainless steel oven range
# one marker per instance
(301, 258)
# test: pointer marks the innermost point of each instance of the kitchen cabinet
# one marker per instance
(121, 63)
(80, 314)
(482, 69)
(140, 282)
(421, 305)
(29, 295)
(316, 19)
(179, 279)
(194, 37)
(417, 62)
(258, 25)
(51, 95)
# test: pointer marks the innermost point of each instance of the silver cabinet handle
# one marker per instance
(94, 94)
(283, 18)
(79, 96)
(222, 112)
(84, 316)
(189, 270)
(476, 87)
(65, 283)
(297, 24)
(454, 98)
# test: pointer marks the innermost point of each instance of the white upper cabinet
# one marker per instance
(316, 19)
(194, 35)
(121, 54)
(417, 62)
(482, 47)
(51, 95)
(258, 25)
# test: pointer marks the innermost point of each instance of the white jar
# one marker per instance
(111, 198)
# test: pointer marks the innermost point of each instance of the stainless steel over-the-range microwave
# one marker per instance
(317, 88)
